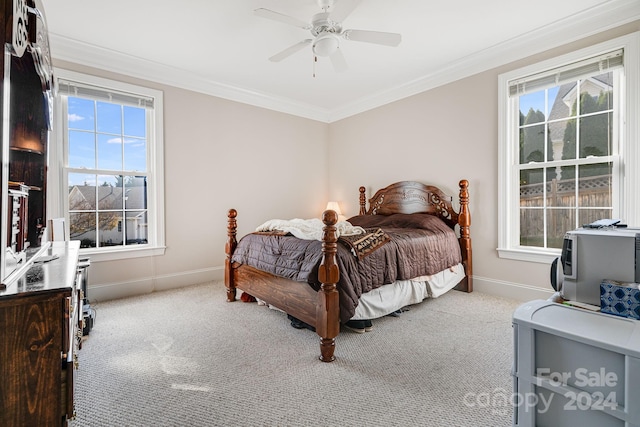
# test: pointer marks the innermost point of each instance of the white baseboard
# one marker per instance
(510, 290)
(109, 291)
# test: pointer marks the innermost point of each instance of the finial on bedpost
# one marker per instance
(363, 201)
(464, 220)
(229, 247)
(328, 308)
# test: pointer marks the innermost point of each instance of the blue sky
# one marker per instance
(536, 100)
(118, 133)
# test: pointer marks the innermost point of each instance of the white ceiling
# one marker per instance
(220, 47)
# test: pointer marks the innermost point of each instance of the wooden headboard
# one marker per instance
(414, 197)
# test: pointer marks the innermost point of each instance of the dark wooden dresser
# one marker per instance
(40, 330)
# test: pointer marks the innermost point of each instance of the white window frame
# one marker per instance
(626, 202)
(57, 198)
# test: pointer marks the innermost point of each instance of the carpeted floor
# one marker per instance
(186, 357)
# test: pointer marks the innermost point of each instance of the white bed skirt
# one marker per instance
(386, 299)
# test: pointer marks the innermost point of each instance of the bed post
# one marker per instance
(328, 309)
(229, 247)
(464, 220)
(363, 201)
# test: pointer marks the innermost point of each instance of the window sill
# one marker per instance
(530, 255)
(98, 255)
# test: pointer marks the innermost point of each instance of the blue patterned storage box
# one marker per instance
(620, 299)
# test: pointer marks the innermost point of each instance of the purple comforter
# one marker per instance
(420, 244)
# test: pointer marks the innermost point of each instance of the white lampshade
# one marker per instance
(334, 206)
(325, 44)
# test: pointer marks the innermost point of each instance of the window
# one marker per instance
(565, 147)
(111, 165)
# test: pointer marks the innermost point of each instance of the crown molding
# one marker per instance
(89, 55)
(595, 20)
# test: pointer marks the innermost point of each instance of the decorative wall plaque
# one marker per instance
(20, 33)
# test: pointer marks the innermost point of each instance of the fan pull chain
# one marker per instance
(315, 59)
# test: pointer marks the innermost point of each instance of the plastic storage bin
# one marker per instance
(574, 367)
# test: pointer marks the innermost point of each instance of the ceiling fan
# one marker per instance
(326, 29)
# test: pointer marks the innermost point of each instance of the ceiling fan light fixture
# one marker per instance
(326, 32)
(326, 44)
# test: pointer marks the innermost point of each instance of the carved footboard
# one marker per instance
(328, 313)
(229, 248)
(319, 309)
(464, 222)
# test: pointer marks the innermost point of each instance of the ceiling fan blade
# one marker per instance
(377, 37)
(280, 17)
(338, 61)
(342, 9)
(290, 51)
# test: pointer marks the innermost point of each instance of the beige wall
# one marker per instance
(221, 154)
(441, 136)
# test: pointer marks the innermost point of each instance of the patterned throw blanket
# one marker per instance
(361, 241)
(362, 245)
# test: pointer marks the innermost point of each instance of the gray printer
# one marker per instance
(591, 255)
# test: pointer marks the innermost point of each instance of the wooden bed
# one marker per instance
(320, 309)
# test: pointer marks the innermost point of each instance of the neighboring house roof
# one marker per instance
(566, 97)
(83, 197)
